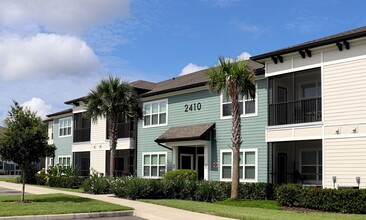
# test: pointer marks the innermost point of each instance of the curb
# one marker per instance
(71, 216)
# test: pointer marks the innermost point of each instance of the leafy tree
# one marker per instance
(117, 101)
(25, 139)
(233, 79)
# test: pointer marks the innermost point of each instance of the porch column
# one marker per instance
(175, 157)
(206, 175)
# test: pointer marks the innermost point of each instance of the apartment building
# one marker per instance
(316, 131)
(186, 126)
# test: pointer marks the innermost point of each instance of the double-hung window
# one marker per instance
(155, 113)
(154, 164)
(247, 165)
(64, 161)
(65, 127)
(247, 106)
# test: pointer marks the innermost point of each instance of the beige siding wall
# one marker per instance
(345, 159)
(294, 133)
(98, 131)
(97, 161)
(343, 89)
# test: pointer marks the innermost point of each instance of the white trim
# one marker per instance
(63, 156)
(188, 143)
(166, 113)
(187, 155)
(243, 150)
(158, 165)
(59, 127)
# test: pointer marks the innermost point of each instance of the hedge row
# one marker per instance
(209, 191)
(331, 200)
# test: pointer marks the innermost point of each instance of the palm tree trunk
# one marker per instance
(23, 180)
(236, 142)
(113, 136)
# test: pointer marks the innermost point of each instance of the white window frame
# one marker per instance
(158, 165)
(243, 101)
(64, 157)
(166, 113)
(318, 88)
(319, 166)
(59, 127)
(244, 150)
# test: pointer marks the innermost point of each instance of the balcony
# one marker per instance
(293, 112)
(82, 135)
(125, 130)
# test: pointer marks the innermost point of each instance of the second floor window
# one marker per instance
(155, 113)
(247, 106)
(65, 127)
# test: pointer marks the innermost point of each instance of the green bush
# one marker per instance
(331, 200)
(180, 175)
(183, 189)
(97, 183)
(288, 194)
(132, 188)
(65, 182)
(3, 172)
(256, 191)
(210, 191)
(41, 179)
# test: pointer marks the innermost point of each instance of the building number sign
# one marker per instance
(193, 107)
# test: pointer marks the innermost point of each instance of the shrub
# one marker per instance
(3, 172)
(332, 200)
(181, 175)
(132, 188)
(41, 179)
(183, 189)
(256, 191)
(210, 191)
(97, 183)
(65, 182)
(288, 194)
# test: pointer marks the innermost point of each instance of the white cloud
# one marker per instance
(65, 16)
(190, 68)
(45, 55)
(38, 105)
(243, 56)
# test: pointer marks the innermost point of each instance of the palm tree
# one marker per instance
(233, 79)
(117, 101)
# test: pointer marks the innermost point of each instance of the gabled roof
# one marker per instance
(343, 36)
(182, 133)
(60, 113)
(142, 84)
(191, 80)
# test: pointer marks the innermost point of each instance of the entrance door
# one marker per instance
(186, 161)
(282, 168)
(200, 166)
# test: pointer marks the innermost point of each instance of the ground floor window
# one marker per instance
(154, 164)
(247, 168)
(64, 161)
(1, 165)
(311, 165)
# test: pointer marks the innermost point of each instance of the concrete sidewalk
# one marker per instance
(143, 210)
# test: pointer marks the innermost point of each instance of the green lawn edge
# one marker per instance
(250, 213)
(54, 204)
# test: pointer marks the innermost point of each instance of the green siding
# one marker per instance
(63, 144)
(252, 130)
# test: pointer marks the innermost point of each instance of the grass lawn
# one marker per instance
(53, 204)
(80, 190)
(232, 210)
(12, 180)
(8, 179)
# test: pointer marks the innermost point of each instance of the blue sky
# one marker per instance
(54, 51)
